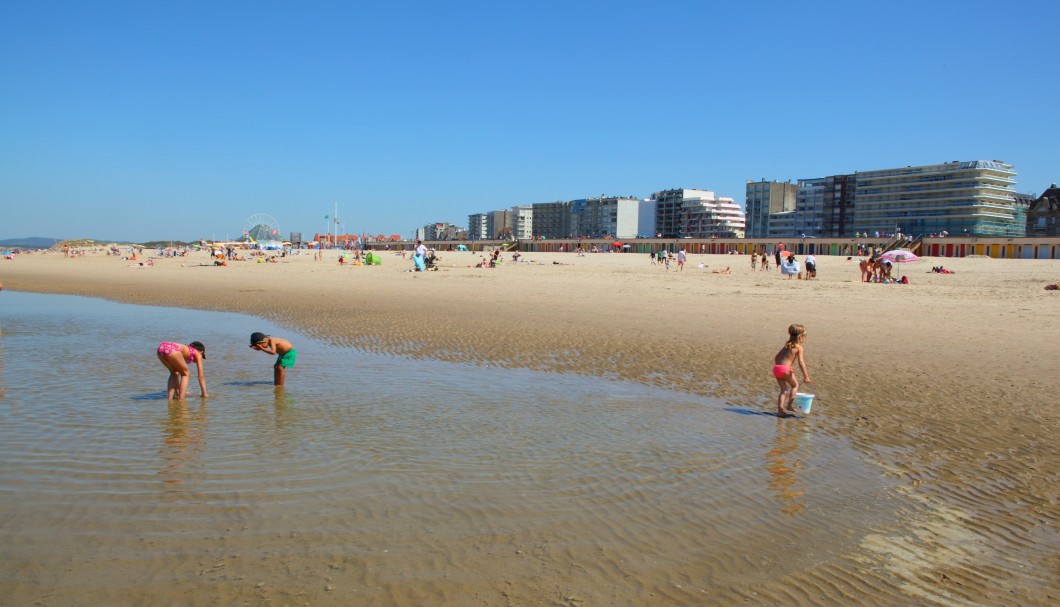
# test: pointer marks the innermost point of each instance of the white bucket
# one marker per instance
(803, 402)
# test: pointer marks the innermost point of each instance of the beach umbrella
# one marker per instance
(899, 256)
(461, 247)
(617, 244)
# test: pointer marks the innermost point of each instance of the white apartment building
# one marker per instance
(478, 226)
(712, 217)
(973, 197)
(687, 213)
(522, 219)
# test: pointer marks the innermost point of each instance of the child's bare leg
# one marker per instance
(183, 386)
(278, 375)
(794, 383)
(782, 398)
(174, 363)
(172, 386)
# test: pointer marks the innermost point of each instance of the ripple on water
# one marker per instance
(371, 470)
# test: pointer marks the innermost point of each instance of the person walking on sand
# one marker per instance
(284, 350)
(754, 260)
(791, 353)
(176, 358)
(681, 260)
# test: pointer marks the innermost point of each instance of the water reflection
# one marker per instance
(783, 463)
(184, 439)
(3, 387)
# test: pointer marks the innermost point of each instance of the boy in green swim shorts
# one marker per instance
(284, 350)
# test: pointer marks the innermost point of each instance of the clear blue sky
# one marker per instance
(178, 120)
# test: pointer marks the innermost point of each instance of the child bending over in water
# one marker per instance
(176, 358)
(283, 349)
(791, 353)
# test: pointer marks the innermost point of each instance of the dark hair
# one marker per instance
(198, 346)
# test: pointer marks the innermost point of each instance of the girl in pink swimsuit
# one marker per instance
(176, 358)
(792, 352)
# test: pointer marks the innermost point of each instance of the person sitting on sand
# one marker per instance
(725, 271)
(792, 352)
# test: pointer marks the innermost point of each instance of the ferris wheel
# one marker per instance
(260, 227)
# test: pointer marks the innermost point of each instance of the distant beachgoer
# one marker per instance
(790, 267)
(176, 358)
(284, 350)
(754, 259)
(866, 270)
(681, 260)
(811, 267)
(652, 257)
(776, 257)
(765, 262)
(792, 352)
(885, 269)
(877, 268)
(725, 271)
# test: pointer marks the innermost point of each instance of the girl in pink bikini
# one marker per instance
(791, 353)
(176, 358)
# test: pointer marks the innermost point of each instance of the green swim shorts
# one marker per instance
(287, 360)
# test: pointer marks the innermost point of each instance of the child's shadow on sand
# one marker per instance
(743, 411)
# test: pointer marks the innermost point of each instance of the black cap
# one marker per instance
(198, 346)
(257, 338)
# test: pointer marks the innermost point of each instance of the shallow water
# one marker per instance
(382, 480)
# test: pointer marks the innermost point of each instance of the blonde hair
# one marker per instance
(796, 333)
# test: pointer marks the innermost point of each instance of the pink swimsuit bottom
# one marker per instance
(781, 371)
(167, 347)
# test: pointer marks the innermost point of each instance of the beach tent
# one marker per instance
(461, 247)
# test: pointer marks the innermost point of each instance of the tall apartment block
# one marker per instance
(522, 222)
(668, 211)
(478, 226)
(973, 197)
(685, 213)
(765, 199)
(551, 220)
(613, 216)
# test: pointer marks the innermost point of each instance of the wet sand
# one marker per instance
(946, 384)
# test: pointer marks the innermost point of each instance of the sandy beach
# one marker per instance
(947, 384)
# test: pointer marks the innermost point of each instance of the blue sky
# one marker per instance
(179, 120)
